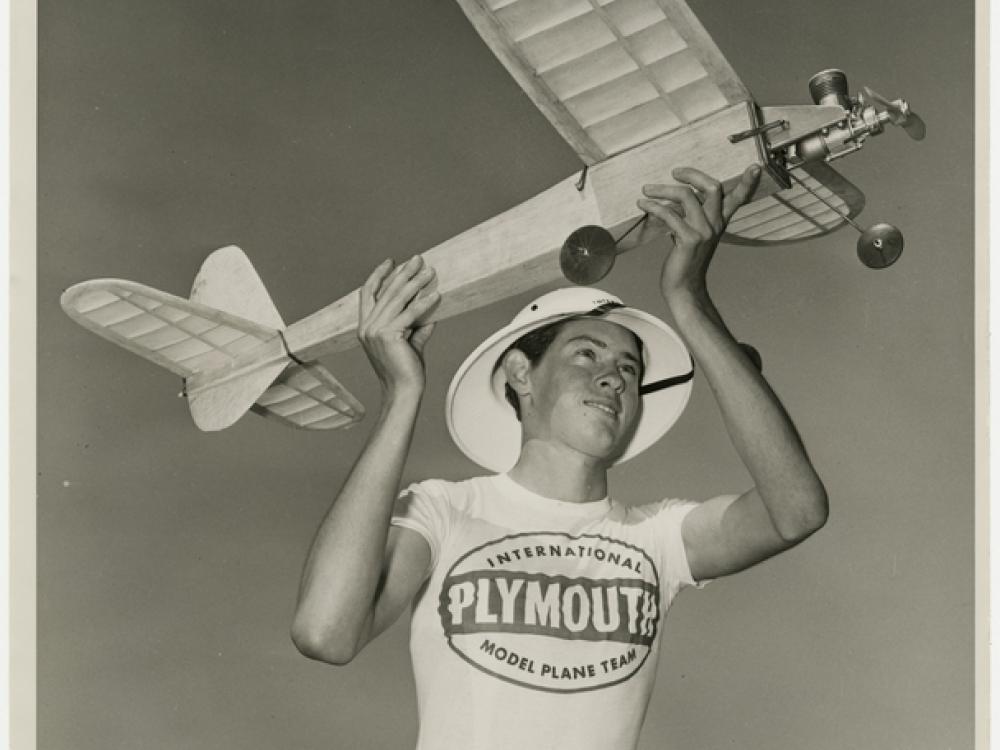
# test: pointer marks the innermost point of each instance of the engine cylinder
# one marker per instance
(830, 87)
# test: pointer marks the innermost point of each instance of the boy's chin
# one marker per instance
(604, 451)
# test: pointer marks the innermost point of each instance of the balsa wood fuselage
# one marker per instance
(518, 249)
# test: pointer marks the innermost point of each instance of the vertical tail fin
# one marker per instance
(300, 394)
(228, 281)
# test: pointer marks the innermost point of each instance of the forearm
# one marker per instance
(760, 429)
(346, 561)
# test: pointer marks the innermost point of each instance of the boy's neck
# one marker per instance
(560, 474)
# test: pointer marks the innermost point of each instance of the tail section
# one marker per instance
(227, 338)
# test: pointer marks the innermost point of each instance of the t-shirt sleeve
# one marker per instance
(424, 507)
(676, 568)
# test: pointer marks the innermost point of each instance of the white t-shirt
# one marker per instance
(540, 623)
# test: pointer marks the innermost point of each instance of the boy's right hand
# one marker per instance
(392, 300)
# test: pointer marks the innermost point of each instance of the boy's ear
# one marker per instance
(516, 367)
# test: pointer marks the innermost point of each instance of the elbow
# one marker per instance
(811, 514)
(325, 646)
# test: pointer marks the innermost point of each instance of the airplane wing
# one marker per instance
(609, 74)
(797, 213)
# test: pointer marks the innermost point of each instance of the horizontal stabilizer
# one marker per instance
(183, 336)
(307, 396)
(797, 213)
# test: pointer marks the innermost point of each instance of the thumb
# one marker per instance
(743, 191)
(420, 335)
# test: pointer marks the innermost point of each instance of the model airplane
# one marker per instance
(637, 87)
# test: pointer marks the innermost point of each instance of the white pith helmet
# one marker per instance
(483, 424)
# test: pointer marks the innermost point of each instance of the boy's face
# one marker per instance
(585, 389)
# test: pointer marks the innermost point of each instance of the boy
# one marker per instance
(538, 600)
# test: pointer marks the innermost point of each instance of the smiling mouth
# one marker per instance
(603, 408)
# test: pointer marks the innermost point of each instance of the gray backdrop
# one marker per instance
(323, 137)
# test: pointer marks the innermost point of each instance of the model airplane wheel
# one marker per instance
(587, 255)
(880, 245)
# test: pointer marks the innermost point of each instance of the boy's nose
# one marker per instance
(612, 379)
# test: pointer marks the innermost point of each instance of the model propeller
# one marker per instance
(899, 113)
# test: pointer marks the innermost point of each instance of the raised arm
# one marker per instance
(788, 502)
(359, 575)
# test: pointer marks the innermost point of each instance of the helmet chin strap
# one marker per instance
(659, 385)
(656, 385)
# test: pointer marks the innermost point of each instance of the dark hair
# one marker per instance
(535, 343)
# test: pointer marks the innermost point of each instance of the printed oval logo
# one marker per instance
(551, 611)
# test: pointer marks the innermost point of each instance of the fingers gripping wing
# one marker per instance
(306, 395)
(797, 213)
(609, 74)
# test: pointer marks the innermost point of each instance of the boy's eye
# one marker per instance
(587, 353)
